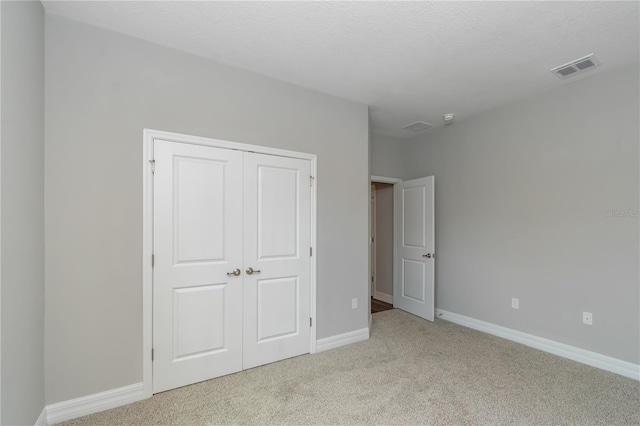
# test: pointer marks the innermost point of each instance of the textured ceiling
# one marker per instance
(408, 60)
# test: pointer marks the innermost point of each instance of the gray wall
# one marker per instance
(521, 200)
(387, 158)
(102, 89)
(384, 238)
(22, 241)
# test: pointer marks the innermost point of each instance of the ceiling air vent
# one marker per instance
(418, 126)
(574, 67)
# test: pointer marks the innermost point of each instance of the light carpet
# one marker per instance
(410, 371)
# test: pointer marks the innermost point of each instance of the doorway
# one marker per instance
(412, 245)
(381, 246)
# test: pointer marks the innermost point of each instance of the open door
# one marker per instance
(414, 264)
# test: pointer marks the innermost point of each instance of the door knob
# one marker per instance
(235, 272)
(250, 271)
(427, 255)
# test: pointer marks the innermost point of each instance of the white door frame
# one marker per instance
(147, 232)
(380, 179)
(373, 240)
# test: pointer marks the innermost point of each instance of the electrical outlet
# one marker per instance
(515, 303)
(354, 303)
(587, 318)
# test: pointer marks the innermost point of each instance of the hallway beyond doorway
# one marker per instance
(379, 306)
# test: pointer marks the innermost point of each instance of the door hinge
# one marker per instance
(311, 178)
(152, 354)
(310, 322)
(310, 251)
(153, 165)
(153, 260)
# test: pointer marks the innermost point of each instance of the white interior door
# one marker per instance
(232, 269)
(413, 289)
(197, 305)
(277, 241)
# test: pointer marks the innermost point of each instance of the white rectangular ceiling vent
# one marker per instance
(574, 67)
(418, 126)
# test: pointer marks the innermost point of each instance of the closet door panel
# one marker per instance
(197, 306)
(277, 232)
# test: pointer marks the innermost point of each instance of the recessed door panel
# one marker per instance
(278, 307)
(412, 280)
(198, 202)
(414, 221)
(198, 321)
(278, 220)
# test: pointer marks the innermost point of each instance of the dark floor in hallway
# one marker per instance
(379, 306)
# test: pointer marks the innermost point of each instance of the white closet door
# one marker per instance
(197, 305)
(277, 214)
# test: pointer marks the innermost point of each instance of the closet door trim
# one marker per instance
(149, 136)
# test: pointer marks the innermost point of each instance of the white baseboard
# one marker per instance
(42, 420)
(74, 408)
(383, 297)
(583, 356)
(342, 339)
